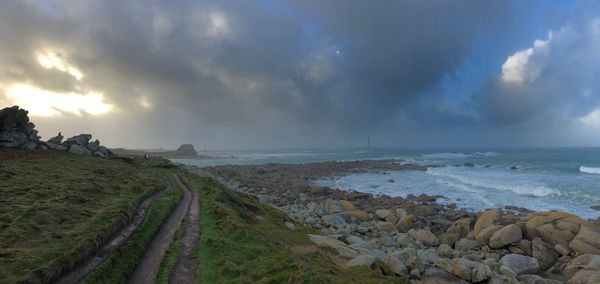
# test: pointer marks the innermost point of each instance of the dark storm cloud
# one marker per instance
(263, 69)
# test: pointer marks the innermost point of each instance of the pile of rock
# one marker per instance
(16, 131)
(78, 145)
(495, 247)
(428, 242)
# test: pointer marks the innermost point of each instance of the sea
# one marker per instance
(539, 179)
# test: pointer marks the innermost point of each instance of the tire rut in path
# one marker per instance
(148, 266)
(185, 269)
(118, 240)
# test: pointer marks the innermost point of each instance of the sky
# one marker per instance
(302, 73)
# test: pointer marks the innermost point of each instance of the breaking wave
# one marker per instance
(589, 170)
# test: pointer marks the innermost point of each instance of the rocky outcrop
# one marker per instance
(16, 131)
(186, 150)
(81, 145)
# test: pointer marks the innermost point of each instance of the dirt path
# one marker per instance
(147, 268)
(118, 240)
(185, 270)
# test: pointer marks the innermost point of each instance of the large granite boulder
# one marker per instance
(509, 234)
(16, 131)
(81, 140)
(586, 241)
(520, 264)
(544, 253)
(552, 227)
(79, 150)
(487, 219)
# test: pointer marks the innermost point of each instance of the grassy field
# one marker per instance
(56, 210)
(244, 242)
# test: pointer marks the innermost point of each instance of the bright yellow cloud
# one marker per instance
(52, 59)
(46, 103)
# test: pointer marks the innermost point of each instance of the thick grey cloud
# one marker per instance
(275, 73)
(556, 78)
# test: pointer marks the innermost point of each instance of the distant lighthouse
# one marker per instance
(368, 141)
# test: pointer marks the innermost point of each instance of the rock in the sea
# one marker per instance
(509, 234)
(520, 264)
(79, 150)
(586, 241)
(186, 150)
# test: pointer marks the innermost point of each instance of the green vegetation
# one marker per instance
(244, 242)
(171, 256)
(57, 210)
(119, 266)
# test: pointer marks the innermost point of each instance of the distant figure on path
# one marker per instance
(146, 156)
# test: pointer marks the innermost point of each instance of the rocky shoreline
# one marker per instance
(419, 238)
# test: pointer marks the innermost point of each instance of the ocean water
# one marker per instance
(565, 179)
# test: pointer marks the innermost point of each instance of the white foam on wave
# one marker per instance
(276, 155)
(589, 170)
(522, 188)
(459, 155)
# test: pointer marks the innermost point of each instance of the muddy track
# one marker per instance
(185, 269)
(148, 266)
(117, 241)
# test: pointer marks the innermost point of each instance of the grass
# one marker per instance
(171, 255)
(244, 242)
(119, 266)
(57, 210)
